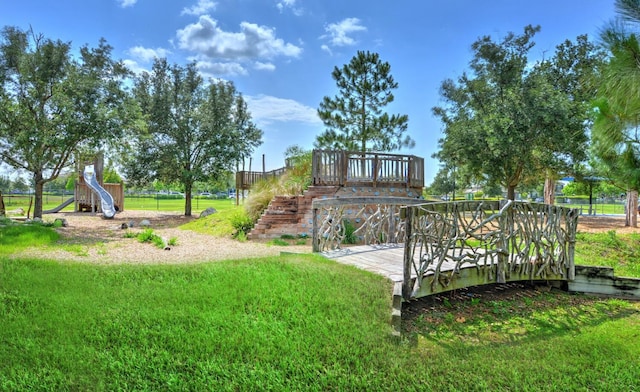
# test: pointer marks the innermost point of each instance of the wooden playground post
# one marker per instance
(30, 204)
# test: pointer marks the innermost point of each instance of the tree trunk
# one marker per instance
(187, 201)
(38, 184)
(511, 192)
(631, 213)
(549, 190)
(2, 209)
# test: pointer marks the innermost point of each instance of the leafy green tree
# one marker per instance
(70, 185)
(110, 175)
(196, 131)
(507, 120)
(354, 118)
(5, 184)
(53, 101)
(443, 182)
(58, 184)
(20, 185)
(573, 71)
(616, 140)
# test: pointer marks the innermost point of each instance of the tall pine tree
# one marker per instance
(354, 118)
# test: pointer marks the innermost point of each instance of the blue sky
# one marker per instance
(280, 53)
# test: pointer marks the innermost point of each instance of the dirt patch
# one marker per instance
(604, 223)
(92, 239)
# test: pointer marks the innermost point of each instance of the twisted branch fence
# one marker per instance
(449, 245)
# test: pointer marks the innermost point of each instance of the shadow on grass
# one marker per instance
(508, 314)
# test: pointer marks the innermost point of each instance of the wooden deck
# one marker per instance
(385, 260)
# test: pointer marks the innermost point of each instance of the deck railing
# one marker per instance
(350, 168)
(246, 179)
(503, 241)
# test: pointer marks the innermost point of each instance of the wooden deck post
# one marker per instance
(572, 227)
(407, 214)
(315, 241)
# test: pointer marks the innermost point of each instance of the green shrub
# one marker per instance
(146, 235)
(241, 236)
(129, 234)
(242, 223)
(158, 242)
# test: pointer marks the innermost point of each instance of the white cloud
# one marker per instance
(267, 109)
(127, 3)
(148, 54)
(264, 66)
(289, 4)
(201, 8)
(217, 69)
(253, 41)
(339, 33)
(134, 67)
(326, 48)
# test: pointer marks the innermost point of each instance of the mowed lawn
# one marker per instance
(150, 203)
(293, 322)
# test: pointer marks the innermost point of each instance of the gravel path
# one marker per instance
(92, 239)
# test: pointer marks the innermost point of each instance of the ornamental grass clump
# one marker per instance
(293, 182)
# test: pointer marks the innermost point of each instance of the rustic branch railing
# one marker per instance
(515, 241)
(374, 220)
(349, 168)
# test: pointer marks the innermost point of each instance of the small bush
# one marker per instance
(158, 241)
(146, 235)
(173, 241)
(241, 236)
(242, 223)
(130, 234)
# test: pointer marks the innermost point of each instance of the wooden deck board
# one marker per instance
(385, 260)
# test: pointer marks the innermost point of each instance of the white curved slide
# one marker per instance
(106, 200)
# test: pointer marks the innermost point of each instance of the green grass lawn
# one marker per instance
(620, 251)
(294, 322)
(131, 203)
(150, 202)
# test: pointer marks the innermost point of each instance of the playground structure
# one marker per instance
(110, 196)
(91, 193)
